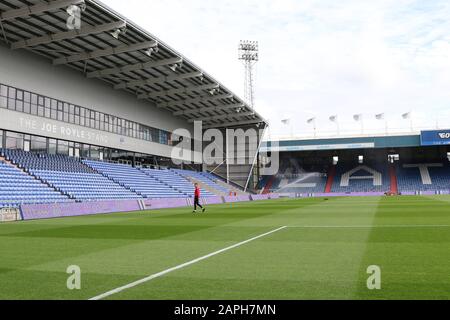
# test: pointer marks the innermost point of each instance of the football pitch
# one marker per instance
(278, 249)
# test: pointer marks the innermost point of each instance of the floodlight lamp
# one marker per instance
(335, 160)
(115, 33)
(149, 52)
(393, 157)
(173, 67)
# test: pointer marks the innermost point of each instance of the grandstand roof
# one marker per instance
(368, 142)
(134, 61)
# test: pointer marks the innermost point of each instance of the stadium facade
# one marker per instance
(80, 81)
(394, 164)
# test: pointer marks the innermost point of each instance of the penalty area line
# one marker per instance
(181, 266)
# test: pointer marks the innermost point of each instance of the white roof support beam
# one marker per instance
(211, 109)
(221, 117)
(106, 52)
(186, 90)
(233, 124)
(37, 9)
(140, 83)
(204, 99)
(84, 31)
(133, 67)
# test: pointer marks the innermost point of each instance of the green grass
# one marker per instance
(301, 262)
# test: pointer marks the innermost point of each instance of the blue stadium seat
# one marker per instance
(303, 183)
(359, 178)
(57, 178)
(17, 187)
(69, 176)
(205, 178)
(136, 180)
(436, 177)
(177, 181)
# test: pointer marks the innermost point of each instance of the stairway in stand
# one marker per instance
(394, 180)
(269, 185)
(330, 180)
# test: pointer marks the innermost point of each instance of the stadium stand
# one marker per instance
(176, 181)
(361, 178)
(307, 182)
(204, 178)
(136, 180)
(342, 178)
(69, 176)
(17, 187)
(423, 177)
(294, 177)
(44, 178)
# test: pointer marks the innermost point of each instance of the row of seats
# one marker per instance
(135, 180)
(313, 182)
(177, 181)
(205, 178)
(33, 161)
(69, 176)
(347, 178)
(423, 177)
(361, 178)
(35, 178)
(85, 186)
(350, 178)
(18, 187)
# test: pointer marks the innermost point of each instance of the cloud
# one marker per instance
(317, 57)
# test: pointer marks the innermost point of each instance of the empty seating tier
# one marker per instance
(135, 180)
(85, 186)
(32, 161)
(42, 178)
(70, 176)
(423, 177)
(205, 178)
(18, 187)
(361, 178)
(313, 182)
(177, 181)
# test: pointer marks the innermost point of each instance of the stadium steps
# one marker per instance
(269, 185)
(10, 163)
(330, 180)
(394, 180)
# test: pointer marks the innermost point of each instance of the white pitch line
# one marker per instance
(369, 226)
(181, 266)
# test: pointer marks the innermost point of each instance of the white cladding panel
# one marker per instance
(30, 72)
(29, 124)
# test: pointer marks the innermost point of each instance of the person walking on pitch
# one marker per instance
(197, 199)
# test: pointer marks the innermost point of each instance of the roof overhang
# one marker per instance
(113, 49)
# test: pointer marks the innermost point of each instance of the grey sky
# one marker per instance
(318, 57)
